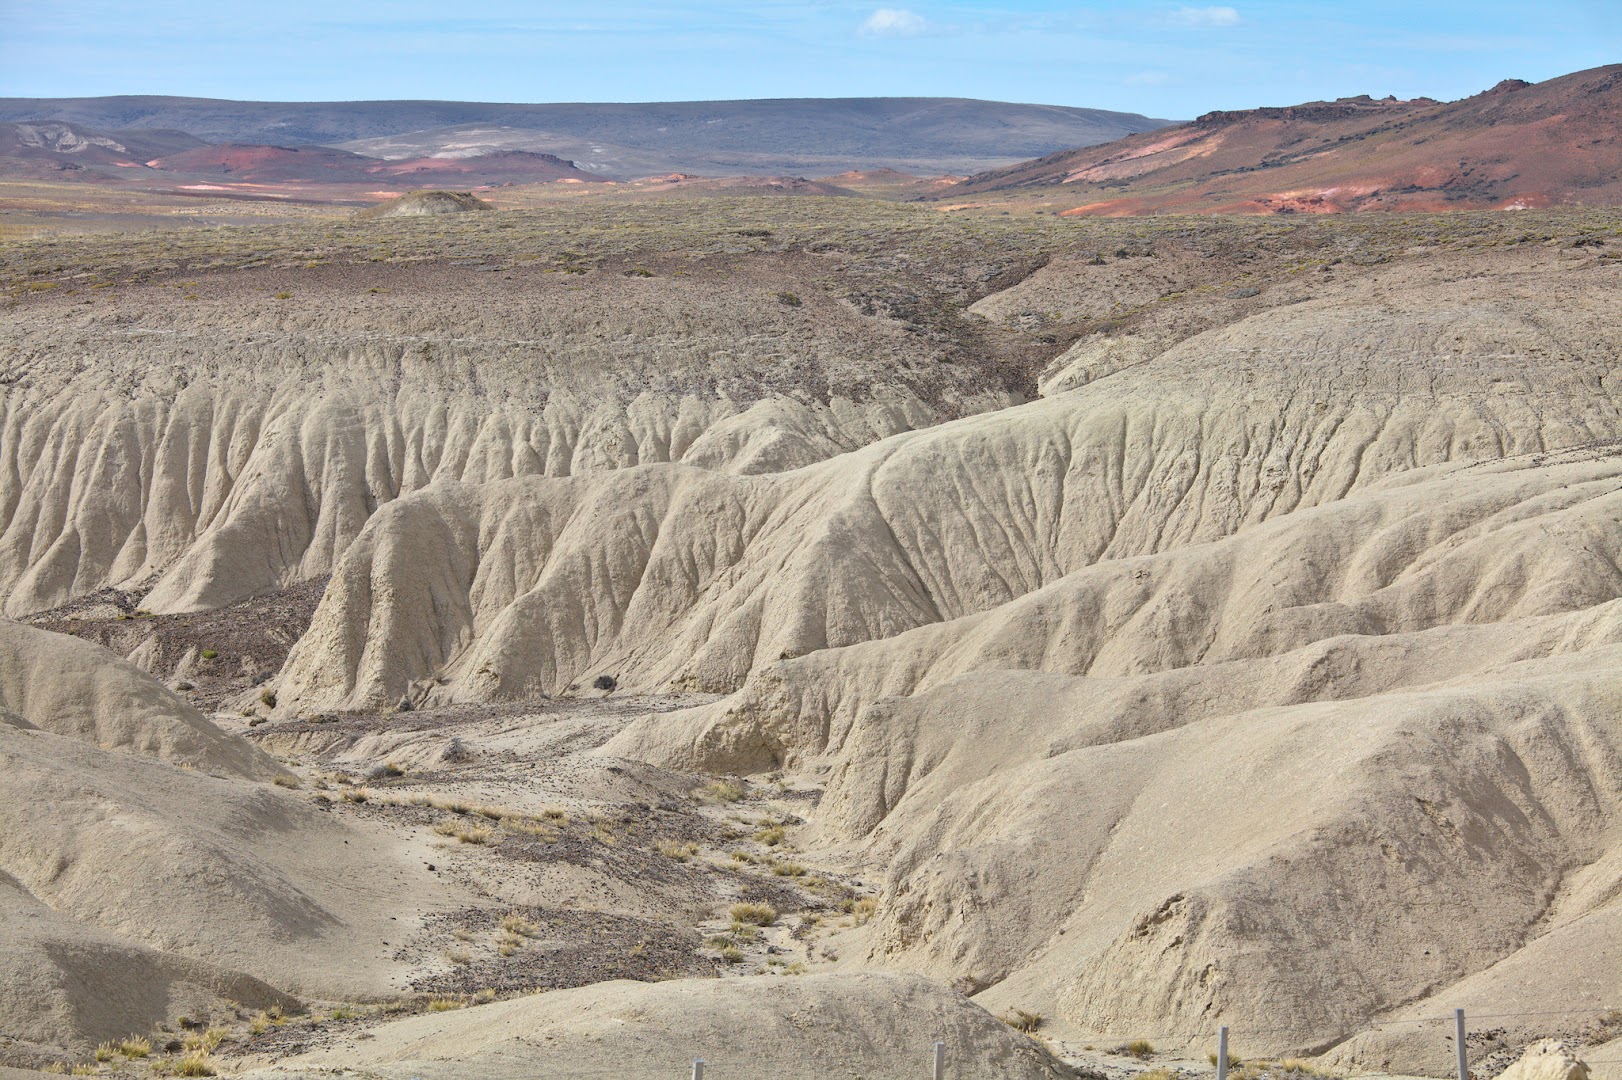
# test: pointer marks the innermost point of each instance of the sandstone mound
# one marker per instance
(135, 887)
(785, 1028)
(1227, 724)
(426, 204)
(251, 878)
(1547, 1059)
(71, 687)
(65, 986)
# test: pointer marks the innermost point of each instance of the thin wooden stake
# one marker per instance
(698, 1069)
(1222, 1052)
(940, 1061)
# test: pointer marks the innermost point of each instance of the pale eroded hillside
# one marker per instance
(1173, 626)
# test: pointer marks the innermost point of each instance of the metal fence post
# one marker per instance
(940, 1060)
(1458, 1039)
(698, 1069)
(1222, 1052)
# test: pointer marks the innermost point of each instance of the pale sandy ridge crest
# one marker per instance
(862, 1024)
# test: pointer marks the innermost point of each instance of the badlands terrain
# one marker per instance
(572, 641)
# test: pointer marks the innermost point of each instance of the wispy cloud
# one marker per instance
(1204, 17)
(894, 22)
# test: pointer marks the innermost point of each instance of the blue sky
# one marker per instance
(1165, 59)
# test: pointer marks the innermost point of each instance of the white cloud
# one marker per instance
(894, 22)
(1204, 17)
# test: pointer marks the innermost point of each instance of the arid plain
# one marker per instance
(578, 639)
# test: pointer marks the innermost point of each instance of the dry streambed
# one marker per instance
(585, 868)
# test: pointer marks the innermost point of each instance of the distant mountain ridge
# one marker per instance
(159, 158)
(818, 135)
(1516, 145)
(58, 146)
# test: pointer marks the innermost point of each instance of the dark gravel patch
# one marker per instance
(251, 639)
(569, 948)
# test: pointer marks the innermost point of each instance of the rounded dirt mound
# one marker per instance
(415, 203)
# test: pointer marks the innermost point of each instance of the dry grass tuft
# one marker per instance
(720, 791)
(195, 1064)
(859, 910)
(517, 923)
(753, 914)
(674, 849)
(467, 834)
(531, 827)
(1023, 1020)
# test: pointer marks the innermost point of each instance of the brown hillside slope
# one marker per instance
(1554, 143)
(59, 150)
